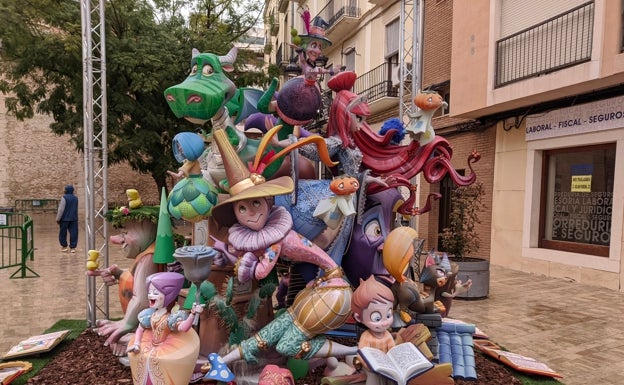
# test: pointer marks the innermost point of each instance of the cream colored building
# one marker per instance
(546, 78)
(550, 73)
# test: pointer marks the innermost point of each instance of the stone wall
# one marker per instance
(37, 164)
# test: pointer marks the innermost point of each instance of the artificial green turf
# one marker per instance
(39, 361)
(536, 380)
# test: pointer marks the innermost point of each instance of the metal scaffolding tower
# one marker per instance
(410, 67)
(95, 147)
(410, 58)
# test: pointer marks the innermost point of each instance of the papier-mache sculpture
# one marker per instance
(164, 348)
(192, 197)
(372, 305)
(207, 94)
(261, 234)
(137, 240)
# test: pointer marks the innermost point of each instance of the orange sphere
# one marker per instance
(428, 100)
(398, 250)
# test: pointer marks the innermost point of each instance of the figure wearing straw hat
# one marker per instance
(262, 233)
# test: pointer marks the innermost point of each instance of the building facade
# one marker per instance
(36, 164)
(535, 87)
(365, 39)
(550, 78)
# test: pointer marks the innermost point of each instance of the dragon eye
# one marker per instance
(207, 70)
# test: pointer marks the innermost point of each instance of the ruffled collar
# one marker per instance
(245, 239)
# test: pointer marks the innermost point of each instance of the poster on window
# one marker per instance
(580, 216)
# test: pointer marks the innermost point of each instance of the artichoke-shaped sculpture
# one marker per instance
(192, 198)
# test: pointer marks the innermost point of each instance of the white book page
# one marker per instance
(381, 362)
(408, 358)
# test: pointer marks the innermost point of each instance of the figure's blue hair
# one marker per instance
(192, 146)
(393, 123)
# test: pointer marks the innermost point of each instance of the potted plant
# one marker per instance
(460, 239)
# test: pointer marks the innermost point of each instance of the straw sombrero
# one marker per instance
(245, 183)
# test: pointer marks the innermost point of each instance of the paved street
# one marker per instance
(575, 329)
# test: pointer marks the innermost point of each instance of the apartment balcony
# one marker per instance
(559, 42)
(342, 17)
(378, 87)
(280, 59)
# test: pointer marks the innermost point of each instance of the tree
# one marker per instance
(460, 238)
(148, 48)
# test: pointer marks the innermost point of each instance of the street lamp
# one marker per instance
(292, 69)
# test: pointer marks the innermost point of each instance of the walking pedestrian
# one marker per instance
(67, 219)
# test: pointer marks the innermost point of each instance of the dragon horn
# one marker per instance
(230, 57)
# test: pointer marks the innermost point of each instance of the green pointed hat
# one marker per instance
(165, 245)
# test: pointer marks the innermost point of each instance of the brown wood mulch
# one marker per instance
(87, 361)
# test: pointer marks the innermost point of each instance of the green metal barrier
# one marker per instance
(29, 205)
(17, 243)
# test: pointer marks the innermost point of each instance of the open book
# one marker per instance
(9, 371)
(36, 344)
(518, 362)
(402, 363)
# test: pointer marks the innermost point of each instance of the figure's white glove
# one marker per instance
(246, 266)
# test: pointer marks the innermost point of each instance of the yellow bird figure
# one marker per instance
(92, 260)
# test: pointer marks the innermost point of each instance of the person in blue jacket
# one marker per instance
(67, 219)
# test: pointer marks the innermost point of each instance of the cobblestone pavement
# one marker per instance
(577, 330)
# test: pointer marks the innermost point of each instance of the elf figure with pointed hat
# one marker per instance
(259, 235)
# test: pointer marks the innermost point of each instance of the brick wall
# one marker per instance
(438, 30)
(37, 164)
(484, 142)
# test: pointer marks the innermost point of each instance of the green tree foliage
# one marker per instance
(148, 48)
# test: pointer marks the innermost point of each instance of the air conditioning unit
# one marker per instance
(396, 74)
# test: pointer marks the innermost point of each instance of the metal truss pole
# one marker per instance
(410, 52)
(95, 147)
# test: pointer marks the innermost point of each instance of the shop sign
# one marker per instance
(588, 117)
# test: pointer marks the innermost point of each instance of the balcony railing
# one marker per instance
(336, 9)
(376, 83)
(279, 54)
(559, 42)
